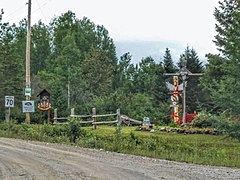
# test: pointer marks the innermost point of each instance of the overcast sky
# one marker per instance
(186, 22)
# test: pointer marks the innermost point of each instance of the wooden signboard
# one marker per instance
(44, 104)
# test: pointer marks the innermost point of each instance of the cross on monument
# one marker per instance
(183, 73)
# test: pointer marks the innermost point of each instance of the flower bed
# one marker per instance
(191, 130)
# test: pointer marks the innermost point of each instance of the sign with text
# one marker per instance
(28, 91)
(9, 101)
(28, 106)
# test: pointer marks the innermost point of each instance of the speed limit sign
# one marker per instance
(9, 101)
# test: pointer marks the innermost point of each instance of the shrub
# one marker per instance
(205, 120)
(231, 129)
(74, 131)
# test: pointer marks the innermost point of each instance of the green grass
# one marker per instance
(192, 148)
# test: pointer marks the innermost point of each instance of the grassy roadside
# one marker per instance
(191, 148)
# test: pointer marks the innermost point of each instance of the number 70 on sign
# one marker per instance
(9, 101)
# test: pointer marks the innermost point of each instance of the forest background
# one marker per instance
(77, 56)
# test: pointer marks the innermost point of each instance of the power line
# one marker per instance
(15, 11)
(40, 8)
(10, 17)
(41, 11)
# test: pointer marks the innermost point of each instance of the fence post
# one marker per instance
(94, 118)
(49, 116)
(118, 121)
(72, 113)
(55, 116)
(7, 115)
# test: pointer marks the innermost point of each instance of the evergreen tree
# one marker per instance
(169, 67)
(150, 79)
(223, 71)
(11, 67)
(124, 79)
(193, 91)
(212, 76)
(40, 47)
(227, 40)
(168, 62)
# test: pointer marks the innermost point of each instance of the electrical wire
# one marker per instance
(34, 11)
(10, 16)
(15, 11)
(40, 8)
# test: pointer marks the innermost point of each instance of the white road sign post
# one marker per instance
(9, 102)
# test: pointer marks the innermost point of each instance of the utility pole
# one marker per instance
(184, 73)
(28, 81)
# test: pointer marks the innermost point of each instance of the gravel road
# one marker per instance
(23, 160)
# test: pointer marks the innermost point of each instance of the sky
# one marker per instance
(181, 22)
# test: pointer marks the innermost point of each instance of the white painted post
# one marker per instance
(72, 112)
(94, 112)
(118, 121)
(55, 116)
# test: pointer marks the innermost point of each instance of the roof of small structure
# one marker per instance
(44, 91)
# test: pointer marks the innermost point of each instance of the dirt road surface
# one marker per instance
(24, 160)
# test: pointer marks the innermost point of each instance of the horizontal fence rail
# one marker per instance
(93, 117)
(104, 122)
(80, 116)
(104, 115)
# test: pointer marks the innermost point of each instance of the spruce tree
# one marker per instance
(194, 65)
(222, 72)
(11, 67)
(168, 62)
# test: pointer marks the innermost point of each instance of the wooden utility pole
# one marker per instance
(28, 81)
(184, 73)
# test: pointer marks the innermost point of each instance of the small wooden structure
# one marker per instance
(44, 104)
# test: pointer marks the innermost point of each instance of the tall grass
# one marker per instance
(191, 148)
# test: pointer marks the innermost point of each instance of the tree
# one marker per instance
(194, 91)
(60, 27)
(223, 70)
(150, 79)
(81, 63)
(227, 40)
(169, 67)
(168, 62)
(40, 47)
(124, 77)
(213, 74)
(98, 71)
(11, 66)
(100, 63)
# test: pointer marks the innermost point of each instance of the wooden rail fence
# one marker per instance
(93, 118)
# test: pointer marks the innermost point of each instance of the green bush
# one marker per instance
(232, 129)
(74, 130)
(220, 123)
(205, 120)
